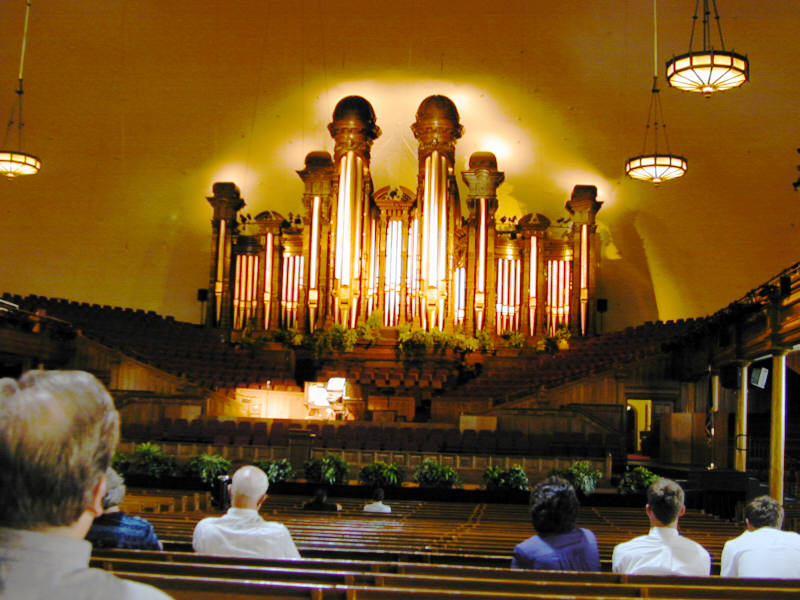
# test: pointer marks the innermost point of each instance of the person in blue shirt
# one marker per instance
(559, 545)
(115, 529)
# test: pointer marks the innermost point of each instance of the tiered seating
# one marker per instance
(512, 378)
(184, 349)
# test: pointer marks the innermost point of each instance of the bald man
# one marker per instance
(241, 531)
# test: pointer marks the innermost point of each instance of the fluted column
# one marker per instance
(437, 128)
(583, 207)
(353, 129)
(482, 180)
(317, 177)
(226, 202)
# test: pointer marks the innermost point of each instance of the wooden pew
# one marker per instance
(299, 579)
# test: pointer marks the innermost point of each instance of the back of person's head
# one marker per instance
(250, 482)
(665, 498)
(764, 511)
(377, 494)
(321, 495)
(57, 436)
(115, 489)
(554, 506)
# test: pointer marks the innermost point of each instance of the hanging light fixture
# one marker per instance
(707, 70)
(16, 162)
(655, 167)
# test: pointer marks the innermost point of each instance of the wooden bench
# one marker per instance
(302, 578)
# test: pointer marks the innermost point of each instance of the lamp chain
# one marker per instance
(20, 89)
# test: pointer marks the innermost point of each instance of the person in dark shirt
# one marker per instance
(559, 545)
(115, 529)
(320, 502)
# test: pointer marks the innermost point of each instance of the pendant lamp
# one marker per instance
(655, 166)
(707, 70)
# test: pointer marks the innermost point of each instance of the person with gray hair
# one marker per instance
(763, 550)
(663, 551)
(241, 531)
(115, 529)
(59, 430)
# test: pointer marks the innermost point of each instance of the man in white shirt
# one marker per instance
(763, 550)
(377, 505)
(662, 551)
(241, 531)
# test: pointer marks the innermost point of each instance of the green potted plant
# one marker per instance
(207, 467)
(331, 469)
(431, 473)
(636, 481)
(513, 479)
(581, 474)
(277, 471)
(369, 332)
(147, 462)
(383, 475)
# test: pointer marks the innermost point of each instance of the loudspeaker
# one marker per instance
(758, 377)
(602, 305)
(202, 295)
(786, 286)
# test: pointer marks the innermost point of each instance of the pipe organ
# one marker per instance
(408, 253)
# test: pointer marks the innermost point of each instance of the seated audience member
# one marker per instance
(115, 529)
(763, 550)
(662, 551)
(241, 531)
(559, 545)
(58, 433)
(377, 505)
(320, 502)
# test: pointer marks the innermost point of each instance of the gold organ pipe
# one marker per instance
(567, 278)
(356, 213)
(221, 251)
(518, 296)
(562, 291)
(499, 303)
(267, 279)
(248, 287)
(220, 269)
(298, 284)
(372, 285)
(237, 309)
(398, 269)
(584, 287)
(343, 218)
(532, 287)
(584, 257)
(441, 198)
(482, 246)
(394, 268)
(312, 266)
(551, 300)
(254, 288)
(284, 290)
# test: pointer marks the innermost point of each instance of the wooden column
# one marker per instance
(777, 433)
(740, 448)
